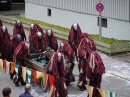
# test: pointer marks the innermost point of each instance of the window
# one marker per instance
(49, 12)
(104, 22)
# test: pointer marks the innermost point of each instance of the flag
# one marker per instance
(29, 74)
(111, 94)
(90, 90)
(51, 92)
(16, 70)
(1, 65)
(34, 73)
(12, 66)
(39, 75)
(45, 80)
(8, 65)
(51, 82)
(24, 73)
(103, 93)
(4, 64)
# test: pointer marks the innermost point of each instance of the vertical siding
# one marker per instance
(118, 9)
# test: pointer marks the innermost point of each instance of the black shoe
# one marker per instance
(81, 88)
(23, 83)
(14, 80)
(11, 77)
(67, 83)
(84, 87)
(17, 84)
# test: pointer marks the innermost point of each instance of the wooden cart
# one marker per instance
(42, 76)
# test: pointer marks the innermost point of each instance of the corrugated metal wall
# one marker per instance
(118, 9)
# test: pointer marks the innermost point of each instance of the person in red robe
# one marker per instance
(1, 23)
(93, 44)
(38, 43)
(96, 70)
(56, 68)
(18, 29)
(20, 57)
(74, 37)
(68, 53)
(14, 42)
(34, 29)
(51, 40)
(12, 46)
(4, 41)
(83, 51)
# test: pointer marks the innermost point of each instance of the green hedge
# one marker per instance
(95, 37)
(109, 40)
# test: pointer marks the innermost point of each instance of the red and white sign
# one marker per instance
(99, 7)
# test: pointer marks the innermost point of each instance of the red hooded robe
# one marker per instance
(70, 57)
(67, 48)
(83, 51)
(21, 50)
(93, 44)
(95, 75)
(16, 31)
(4, 42)
(59, 75)
(71, 36)
(32, 32)
(35, 42)
(13, 43)
(53, 39)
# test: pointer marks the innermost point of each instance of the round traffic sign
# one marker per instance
(99, 7)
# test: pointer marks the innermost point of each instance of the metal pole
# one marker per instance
(100, 27)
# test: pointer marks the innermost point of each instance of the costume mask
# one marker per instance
(62, 46)
(32, 26)
(19, 23)
(75, 26)
(18, 38)
(49, 32)
(3, 29)
(39, 34)
(59, 57)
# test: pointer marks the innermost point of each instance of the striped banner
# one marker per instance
(8, 65)
(29, 74)
(16, 69)
(111, 94)
(90, 90)
(1, 65)
(24, 71)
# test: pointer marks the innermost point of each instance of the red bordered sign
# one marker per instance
(99, 7)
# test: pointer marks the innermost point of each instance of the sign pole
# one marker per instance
(100, 8)
(100, 27)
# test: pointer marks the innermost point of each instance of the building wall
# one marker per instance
(115, 28)
(117, 9)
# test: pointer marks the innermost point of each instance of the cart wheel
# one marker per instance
(44, 88)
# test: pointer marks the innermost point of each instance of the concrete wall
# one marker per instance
(117, 9)
(115, 28)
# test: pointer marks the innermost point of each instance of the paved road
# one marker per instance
(17, 9)
(116, 78)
